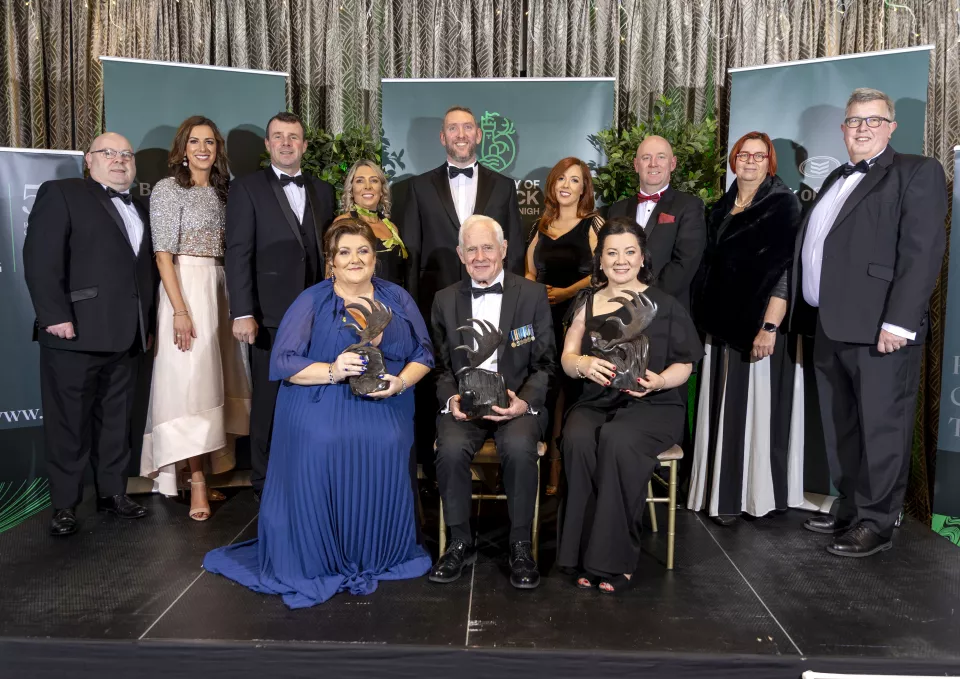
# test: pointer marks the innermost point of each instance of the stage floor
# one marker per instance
(759, 591)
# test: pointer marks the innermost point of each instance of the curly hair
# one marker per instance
(347, 202)
(615, 227)
(219, 173)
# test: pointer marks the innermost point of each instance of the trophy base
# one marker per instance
(480, 390)
(368, 382)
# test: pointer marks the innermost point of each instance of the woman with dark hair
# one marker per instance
(366, 196)
(337, 511)
(200, 393)
(560, 255)
(748, 446)
(611, 437)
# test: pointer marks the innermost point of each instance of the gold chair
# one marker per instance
(485, 459)
(671, 460)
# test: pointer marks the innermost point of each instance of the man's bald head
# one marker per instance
(117, 172)
(654, 162)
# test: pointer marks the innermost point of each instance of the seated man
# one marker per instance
(525, 358)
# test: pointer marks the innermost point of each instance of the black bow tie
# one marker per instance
(125, 197)
(453, 171)
(299, 180)
(848, 169)
(495, 289)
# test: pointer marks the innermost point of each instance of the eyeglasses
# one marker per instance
(110, 154)
(872, 121)
(758, 157)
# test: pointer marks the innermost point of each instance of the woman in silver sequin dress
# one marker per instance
(200, 394)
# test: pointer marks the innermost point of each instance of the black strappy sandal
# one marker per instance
(620, 584)
(585, 577)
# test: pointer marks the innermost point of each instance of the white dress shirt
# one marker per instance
(296, 195)
(818, 228)
(131, 220)
(464, 192)
(646, 208)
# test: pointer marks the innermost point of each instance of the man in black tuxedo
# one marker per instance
(868, 256)
(526, 359)
(275, 224)
(674, 221)
(439, 201)
(88, 263)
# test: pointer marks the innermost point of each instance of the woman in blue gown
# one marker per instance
(337, 511)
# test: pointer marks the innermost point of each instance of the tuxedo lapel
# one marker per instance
(866, 185)
(663, 206)
(111, 209)
(464, 310)
(485, 180)
(313, 203)
(442, 184)
(284, 203)
(508, 307)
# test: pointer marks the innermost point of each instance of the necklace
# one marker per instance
(736, 202)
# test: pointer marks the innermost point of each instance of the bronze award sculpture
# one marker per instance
(480, 388)
(630, 352)
(376, 318)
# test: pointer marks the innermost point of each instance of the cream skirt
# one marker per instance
(199, 399)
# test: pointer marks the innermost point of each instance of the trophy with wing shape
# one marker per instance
(630, 352)
(480, 388)
(377, 317)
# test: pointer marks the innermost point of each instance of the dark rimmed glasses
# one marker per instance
(758, 157)
(110, 154)
(871, 121)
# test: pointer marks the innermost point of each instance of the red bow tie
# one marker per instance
(643, 198)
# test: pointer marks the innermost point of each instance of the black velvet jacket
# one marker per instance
(745, 257)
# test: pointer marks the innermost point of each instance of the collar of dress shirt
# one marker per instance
(105, 187)
(498, 279)
(870, 160)
(661, 191)
(464, 167)
(277, 171)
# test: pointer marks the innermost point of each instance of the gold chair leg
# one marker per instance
(536, 520)
(443, 530)
(672, 514)
(652, 506)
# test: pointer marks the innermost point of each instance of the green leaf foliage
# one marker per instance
(700, 161)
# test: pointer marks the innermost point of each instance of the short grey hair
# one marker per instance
(346, 199)
(862, 95)
(477, 220)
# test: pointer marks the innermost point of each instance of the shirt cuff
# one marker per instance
(899, 332)
(242, 317)
(447, 408)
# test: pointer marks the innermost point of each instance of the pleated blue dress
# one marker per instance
(337, 511)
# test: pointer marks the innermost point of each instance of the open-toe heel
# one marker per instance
(199, 489)
(586, 580)
(617, 585)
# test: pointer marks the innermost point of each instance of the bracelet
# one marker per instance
(184, 312)
(330, 373)
(577, 368)
(404, 382)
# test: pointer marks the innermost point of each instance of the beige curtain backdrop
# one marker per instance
(51, 89)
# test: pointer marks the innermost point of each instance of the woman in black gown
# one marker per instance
(560, 256)
(611, 438)
(366, 196)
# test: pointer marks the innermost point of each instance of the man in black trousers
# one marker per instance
(88, 263)
(867, 259)
(526, 359)
(275, 224)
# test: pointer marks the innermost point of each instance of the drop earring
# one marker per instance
(185, 163)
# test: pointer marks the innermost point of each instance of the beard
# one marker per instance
(462, 155)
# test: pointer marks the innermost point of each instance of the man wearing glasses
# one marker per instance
(88, 263)
(867, 260)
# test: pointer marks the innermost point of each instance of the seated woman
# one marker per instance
(337, 511)
(611, 438)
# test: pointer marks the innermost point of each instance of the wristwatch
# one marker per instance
(769, 327)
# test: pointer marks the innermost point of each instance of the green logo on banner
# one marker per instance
(948, 527)
(498, 148)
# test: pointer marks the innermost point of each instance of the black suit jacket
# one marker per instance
(265, 258)
(80, 268)
(675, 247)
(883, 254)
(430, 229)
(527, 369)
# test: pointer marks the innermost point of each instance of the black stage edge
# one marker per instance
(759, 599)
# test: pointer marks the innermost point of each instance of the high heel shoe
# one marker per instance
(201, 513)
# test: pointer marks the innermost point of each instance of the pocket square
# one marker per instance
(666, 219)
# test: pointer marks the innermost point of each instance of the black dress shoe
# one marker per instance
(122, 506)
(826, 524)
(724, 519)
(859, 541)
(451, 562)
(523, 569)
(64, 522)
